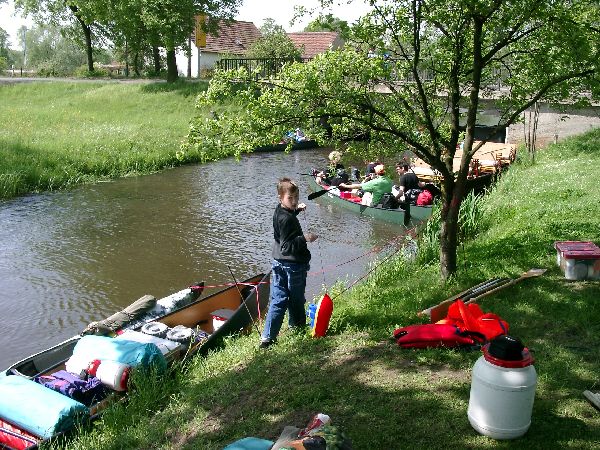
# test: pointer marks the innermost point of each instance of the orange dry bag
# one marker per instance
(322, 316)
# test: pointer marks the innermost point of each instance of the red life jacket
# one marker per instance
(425, 198)
(470, 317)
(435, 335)
(465, 325)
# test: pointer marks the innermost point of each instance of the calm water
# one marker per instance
(69, 258)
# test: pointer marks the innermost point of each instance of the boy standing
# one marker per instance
(290, 265)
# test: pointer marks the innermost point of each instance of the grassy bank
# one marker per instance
(387, 398)
(56, 135)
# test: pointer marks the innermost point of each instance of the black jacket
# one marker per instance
(290, 244)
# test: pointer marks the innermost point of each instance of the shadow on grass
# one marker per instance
(378, 395)
(182, 87)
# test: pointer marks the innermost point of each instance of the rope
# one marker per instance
(366, 274)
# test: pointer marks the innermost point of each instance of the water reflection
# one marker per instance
(72, 257)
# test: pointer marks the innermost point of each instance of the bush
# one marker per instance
(49, 69)
(3, 64)
(83, 72)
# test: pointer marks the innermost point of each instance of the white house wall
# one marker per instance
(203, 60)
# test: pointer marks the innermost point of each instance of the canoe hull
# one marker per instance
(396, 216)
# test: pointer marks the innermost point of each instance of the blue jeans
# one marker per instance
(287, 293)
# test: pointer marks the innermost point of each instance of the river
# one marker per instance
(72, 257)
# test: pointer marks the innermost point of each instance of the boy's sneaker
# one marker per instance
(266, 343)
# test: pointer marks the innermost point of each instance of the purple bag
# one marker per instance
(85, 391)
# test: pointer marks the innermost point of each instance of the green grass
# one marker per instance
(56, 135)
(384, 397)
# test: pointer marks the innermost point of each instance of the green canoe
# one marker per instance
(398, 216)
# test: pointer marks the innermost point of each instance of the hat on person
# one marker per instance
(335, 156)
(379, 169)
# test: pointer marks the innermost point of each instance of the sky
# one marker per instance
(251, 11)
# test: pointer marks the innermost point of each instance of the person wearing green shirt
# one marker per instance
(377, 186)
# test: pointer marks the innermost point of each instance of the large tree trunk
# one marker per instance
(172, 74)
(87, 32)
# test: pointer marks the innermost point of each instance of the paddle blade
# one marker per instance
(323, 316)
(317, 194)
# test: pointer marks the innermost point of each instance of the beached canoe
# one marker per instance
(415, 215)
(231, 310)
(46, 360)
(195, 314)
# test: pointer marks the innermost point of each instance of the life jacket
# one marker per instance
(424, 198)
(471, 318)
(464, 326)
(431, 335)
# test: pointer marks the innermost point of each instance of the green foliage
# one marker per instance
(83, 72)
(471, 222)
(273, 43)
(50, 53)
(329, 22)
(3, 64)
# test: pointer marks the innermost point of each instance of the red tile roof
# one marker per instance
(235, 38)
(315, 42)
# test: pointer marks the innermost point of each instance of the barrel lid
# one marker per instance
(507, 351)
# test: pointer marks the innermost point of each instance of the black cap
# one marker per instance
(506, 348)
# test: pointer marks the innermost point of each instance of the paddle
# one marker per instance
(440, 310)
(530, 273)
(317, 194)
(480, 291)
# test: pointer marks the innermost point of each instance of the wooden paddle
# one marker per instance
(317, 194)
(440, 310)
(475, 293)
(530, 273)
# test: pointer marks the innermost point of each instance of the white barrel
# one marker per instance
(501, 399)
(112, 374)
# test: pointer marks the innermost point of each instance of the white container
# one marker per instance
(220, 316)
(502, 394)
(112, 374)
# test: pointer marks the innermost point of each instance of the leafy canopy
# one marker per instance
(420, 86)
(273, 43)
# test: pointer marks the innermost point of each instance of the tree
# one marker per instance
(273, 43)
(329, 23)
(444, 56)
(60, 12)
(172, 22)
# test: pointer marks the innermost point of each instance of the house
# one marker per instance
(315, 42)
(235, 38)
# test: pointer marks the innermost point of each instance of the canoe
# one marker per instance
(397, 216)
(196, 314)
(47, 360)
(302, 145)
(238, 305)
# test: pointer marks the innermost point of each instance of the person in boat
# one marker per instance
(336, 172)
(290, 265)
(370, 171)
(376, 187)
(409, 186)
